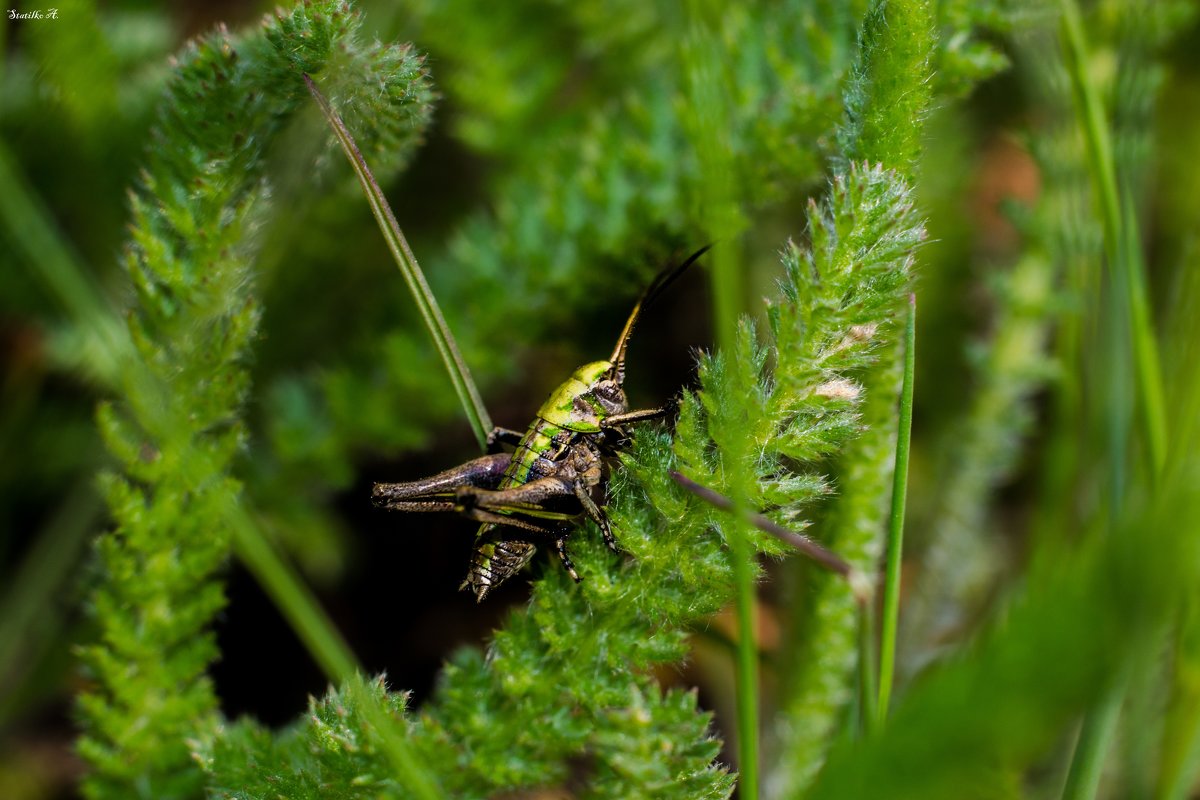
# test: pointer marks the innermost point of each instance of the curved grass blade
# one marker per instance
(1121, 241)
(435, 323)
(895, 544)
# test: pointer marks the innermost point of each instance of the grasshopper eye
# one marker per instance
(611, 397)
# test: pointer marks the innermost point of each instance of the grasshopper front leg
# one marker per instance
(597, 515)
(438, 492)
(640, 415)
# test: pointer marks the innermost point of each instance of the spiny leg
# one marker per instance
(641, 415)
(597, 515)
(415, 505)
(526, 499)
(481, 515)
(826, 558)
(560, 547)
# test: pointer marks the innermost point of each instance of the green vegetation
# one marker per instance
(250, 362)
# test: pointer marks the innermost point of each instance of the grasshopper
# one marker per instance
(555, 477)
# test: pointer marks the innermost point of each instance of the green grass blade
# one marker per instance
(59, 269)
(1179, 758)
(30, 619)
(1096, 736)
(1122, 251)
(322, 640)
(1179, 755)
(1121, 242)
(292, 597)
(869, 715)
(415, 776)
(435, 323)
(895, 543)
(1145, 344)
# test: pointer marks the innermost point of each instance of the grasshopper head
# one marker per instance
(594, 391)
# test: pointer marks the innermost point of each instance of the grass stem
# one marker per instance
(1122, 250)
(59, 269)
(322, 640)
(1096, 736)
(870, 717)
(30, 619)
(291, 596)
(895, 543)
(431, 314)
(1121, 240)
(1145, 344)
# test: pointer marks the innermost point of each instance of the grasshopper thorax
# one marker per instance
(583, 401)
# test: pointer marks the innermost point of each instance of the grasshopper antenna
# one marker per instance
(656, 287)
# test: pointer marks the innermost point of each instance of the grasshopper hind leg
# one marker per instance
(438, 492)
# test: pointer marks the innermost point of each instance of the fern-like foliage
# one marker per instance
(543, 90)
(176, 429)
(565, 689)
(838, 296)
(964, 58)
(565, 694)
(333, 753)
(600, 102)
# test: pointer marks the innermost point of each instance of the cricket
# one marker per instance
(557, 475)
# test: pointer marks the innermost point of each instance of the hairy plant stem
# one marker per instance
(710, 95)
(802, 544)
